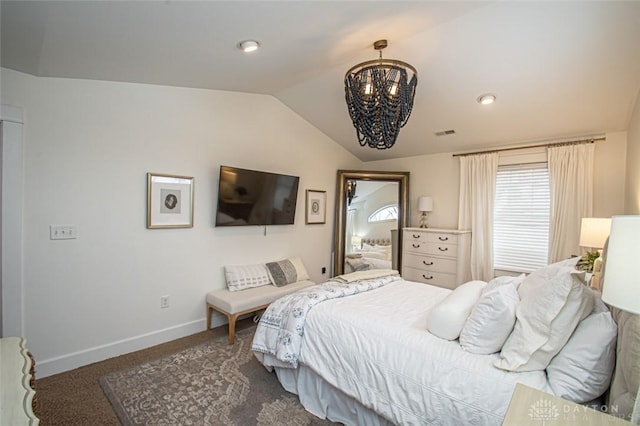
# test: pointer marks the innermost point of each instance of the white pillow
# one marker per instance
(447, 318)
(375, 255)
(582, 370)
(491, 321)
(384, 249)
(553, 300)
(241, 277)
(504, 280)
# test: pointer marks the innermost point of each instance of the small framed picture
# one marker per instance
(169, 201)
(316, 206)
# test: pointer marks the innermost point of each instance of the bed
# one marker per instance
(374, 253)
(369, 359)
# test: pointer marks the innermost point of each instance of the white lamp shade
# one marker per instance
(621, 281)
(594, 231)
(425, 204)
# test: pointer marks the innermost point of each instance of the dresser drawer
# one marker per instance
(414, 246)
(436, 249)
(430, 277)
(439, 238)
(428, 263)
(431, 237)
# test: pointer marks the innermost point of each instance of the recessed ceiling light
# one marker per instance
(248, 46)
(486, 99)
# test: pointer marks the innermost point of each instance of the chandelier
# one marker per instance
(379, 95)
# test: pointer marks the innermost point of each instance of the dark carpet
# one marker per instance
(210, 384)
(76, 397)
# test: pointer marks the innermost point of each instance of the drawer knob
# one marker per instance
(416, 236)
(443, 238)
(430, 277)
(427, 263)
(443, 248)
(416, 245)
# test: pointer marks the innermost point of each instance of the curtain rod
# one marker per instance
(550, 144)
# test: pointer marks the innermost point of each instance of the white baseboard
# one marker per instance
(48, 367)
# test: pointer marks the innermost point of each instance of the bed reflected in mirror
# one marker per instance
(371, 210)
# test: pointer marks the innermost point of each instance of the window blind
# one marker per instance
(521, 217)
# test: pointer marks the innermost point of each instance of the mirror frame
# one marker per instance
(402, 178)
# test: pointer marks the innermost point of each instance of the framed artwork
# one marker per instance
(316, 206)
(169, 201)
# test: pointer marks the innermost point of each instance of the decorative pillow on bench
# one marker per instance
(287, 271)
(241, 277)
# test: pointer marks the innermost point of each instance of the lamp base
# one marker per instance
(423, 220)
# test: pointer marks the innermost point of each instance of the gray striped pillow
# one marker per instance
(287, 271)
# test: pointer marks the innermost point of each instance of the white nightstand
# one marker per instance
(533, 407)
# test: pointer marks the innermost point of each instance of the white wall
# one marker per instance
(11, 269)
(87, 148)
(438, 175)
(609, 172)
(632, 178)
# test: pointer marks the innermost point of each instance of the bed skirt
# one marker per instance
(325, 401)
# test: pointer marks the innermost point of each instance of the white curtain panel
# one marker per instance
(571, 191)
(349, 230)
(477, 194)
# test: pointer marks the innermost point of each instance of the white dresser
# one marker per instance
(436, 256)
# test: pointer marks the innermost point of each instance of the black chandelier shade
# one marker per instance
(379, 97)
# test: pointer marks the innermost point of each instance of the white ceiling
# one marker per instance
(559, 69)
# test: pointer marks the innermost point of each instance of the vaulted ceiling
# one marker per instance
(558, 69)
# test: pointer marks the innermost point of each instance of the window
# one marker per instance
(385, 213)
(521, 217)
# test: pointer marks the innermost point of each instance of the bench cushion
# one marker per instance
(239, 301)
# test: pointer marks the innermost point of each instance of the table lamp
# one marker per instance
(621, 282)
(594, 232)
(425, 205)
(356, 242)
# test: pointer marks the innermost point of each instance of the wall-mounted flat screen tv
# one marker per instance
(251, 197)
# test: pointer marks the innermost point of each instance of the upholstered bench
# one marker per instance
(236, 303)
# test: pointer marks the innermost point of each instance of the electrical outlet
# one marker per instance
(164, 301)
(324, 270)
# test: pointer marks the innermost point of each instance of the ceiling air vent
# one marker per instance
(446, 132)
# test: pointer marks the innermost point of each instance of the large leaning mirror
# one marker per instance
(371, 210)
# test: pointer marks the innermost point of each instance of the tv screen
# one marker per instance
(251, 197)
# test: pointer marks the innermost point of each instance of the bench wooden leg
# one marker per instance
(232, 327)
(231, 318)
(209, 313)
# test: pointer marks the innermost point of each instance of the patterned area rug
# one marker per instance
(209, 384)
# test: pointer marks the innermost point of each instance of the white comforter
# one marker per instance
(375, 347)
(282, 326)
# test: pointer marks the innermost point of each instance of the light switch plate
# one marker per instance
(63, 232)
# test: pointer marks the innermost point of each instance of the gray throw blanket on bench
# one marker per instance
(281, 327)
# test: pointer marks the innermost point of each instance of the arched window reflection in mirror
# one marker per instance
(385, 213)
